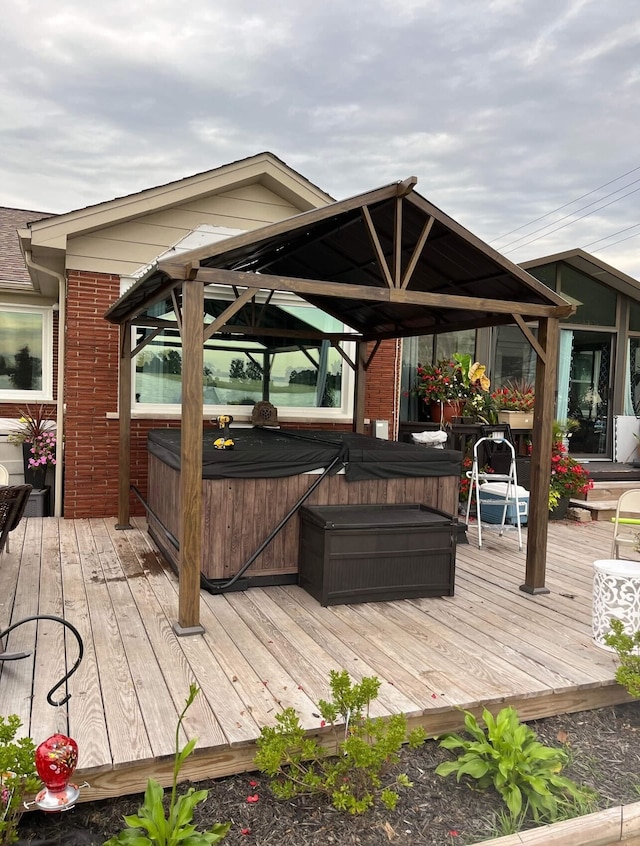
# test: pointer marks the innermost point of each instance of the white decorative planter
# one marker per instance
(616, 593)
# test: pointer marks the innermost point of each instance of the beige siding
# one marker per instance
(123, 248)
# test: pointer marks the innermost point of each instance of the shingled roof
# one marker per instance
(13, 272)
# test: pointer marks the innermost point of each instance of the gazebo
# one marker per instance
(388, 264)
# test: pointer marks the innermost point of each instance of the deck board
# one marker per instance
(272, 647)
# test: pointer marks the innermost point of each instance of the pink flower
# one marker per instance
(252, 799)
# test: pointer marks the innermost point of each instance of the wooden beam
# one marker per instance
(295, 334)
(407, 185)
(190, 555)
(417, 252)
(318, 288)
(231, 309)
(344, 356)
(360, 388)
(397, 245)
(377, 246)
(124, 426)
(176, 308)
(543, 413)
(530, 337)
(146, 340)
(375, 349)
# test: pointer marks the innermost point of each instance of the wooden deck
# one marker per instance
(268, 648)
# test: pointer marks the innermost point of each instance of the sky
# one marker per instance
(520, 118)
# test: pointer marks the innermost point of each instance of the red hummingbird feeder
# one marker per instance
(56, 760)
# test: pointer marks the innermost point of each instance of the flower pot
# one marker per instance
(517, 419)
(560, 511)
(444, 412)
(32, 476)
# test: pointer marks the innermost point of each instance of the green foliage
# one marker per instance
(367, 748)
(18, 776)
(509, 756)
(151, 825)
(627, 648)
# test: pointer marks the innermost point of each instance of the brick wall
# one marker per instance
(382, 381)
(91, 391)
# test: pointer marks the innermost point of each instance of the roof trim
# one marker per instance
(602, 272)
(261, 167)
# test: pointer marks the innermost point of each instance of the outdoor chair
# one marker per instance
(626, 528)
(13, 501)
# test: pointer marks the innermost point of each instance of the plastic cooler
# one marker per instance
(492, 496)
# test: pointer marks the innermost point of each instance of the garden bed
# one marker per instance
(604, 748)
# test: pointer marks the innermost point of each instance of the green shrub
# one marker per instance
(627, 648)
(367, 748)
(18, 777)
(509, 756)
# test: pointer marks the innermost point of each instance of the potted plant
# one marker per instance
(37, 435)
(514, 403)
(568, 479)
(450, 383)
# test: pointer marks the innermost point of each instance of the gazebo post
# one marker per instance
(124, 417)
(545, 390)
(190, 555)
(361, 386)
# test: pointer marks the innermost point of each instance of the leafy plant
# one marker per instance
(458, 378)
(18, 776)
(509, 756)
(152, 826)
(367, 748)
(515, 395)
(627, 648)
(37, 429)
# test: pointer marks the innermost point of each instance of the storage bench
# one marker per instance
(368, 553)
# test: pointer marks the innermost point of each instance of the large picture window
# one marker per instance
(296, 374)
(25, 353)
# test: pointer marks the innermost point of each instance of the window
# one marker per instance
(514, 357)
(26, 353)
(295, 374)
(426, 349)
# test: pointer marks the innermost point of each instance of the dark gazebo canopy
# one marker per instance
(387, 263)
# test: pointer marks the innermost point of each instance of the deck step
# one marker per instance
(609, 491)
(599, 509)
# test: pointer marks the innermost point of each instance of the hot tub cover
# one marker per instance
(268, 453)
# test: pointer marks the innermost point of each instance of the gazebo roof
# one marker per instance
(387, 263)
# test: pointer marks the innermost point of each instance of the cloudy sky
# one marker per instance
(505, 110)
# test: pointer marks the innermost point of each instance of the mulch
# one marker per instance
(604, 750)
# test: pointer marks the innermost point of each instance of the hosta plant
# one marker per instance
(509, 756)
(357, 776)
(151, 825)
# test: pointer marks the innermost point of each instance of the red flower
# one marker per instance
(252, 799)
(253, 784)
(245, 831)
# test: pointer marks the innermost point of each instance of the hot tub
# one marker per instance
(248, 491)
